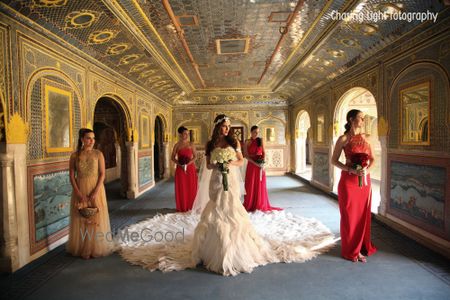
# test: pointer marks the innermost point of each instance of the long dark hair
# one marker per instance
(231, 140)
(258, 139)
(351, 115)
(81, 133)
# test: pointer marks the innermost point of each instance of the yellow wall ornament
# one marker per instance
(383, 127)
(17, 130)
(133, 135)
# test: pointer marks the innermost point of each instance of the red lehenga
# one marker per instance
(185, 181)
(256, 197)
(354, 205)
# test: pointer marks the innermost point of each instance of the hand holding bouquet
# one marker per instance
(222, 158)
(359, 162)
(183, 161)
(259, 159)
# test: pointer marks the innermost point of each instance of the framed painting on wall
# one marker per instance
(58, 117)
(418, 192)
(49, 193)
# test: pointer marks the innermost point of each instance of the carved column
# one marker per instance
(384, 170)
(132, 148)
(167, 153)
(8, 236)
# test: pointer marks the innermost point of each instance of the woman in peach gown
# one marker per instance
(88, 237)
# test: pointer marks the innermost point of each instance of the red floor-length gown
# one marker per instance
(185, 181)
(256, 197)
(354, 205)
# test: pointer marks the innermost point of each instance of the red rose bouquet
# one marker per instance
(183, 161)
(359, 162)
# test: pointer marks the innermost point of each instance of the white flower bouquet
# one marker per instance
(222, 157)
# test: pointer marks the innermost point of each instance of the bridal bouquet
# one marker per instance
(359, 162)
(222, 157)
(259, 159)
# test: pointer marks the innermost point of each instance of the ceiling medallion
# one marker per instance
(50, 3)
(117, 49)
(366, 29)
(230, 98)
(125, 60)
(138, 67)
(147, 73)
(232, 46)
(103, 36)
(390, 8)
(153, 79)
(349, 42)
(81, 19)
(213, 99)
(264, 97)
(336, 53)
(280, 16)
(187, 20)
(197, 99)
(248, 98)
(160, 83)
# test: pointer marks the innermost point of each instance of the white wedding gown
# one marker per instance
(225, 238)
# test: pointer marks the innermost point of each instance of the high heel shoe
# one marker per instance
(362, 258)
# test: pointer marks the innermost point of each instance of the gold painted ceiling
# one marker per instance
(223, 51)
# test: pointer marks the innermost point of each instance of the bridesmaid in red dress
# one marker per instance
(256, 197)
(183, 155)
(354, 189)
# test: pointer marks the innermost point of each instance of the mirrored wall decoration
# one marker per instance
(145, 131)
(270, 134)
(58, 118)
(415, 114)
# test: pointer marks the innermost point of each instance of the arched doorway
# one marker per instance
(158, 149)
(362, 99)
(110, 127)
(303, 145)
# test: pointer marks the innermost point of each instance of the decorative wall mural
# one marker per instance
(49, 204)
(145, 171)
(321, 168)
(417, 194)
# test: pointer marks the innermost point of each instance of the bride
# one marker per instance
(224, 238)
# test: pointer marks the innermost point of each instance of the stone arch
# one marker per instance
(362, 99)
(303, 144)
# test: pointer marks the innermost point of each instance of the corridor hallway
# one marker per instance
(401, 269)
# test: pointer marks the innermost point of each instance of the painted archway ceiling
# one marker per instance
(139, 39)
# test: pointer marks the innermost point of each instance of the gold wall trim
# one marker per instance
(17, 130)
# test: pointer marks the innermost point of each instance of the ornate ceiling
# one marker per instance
(224, 51)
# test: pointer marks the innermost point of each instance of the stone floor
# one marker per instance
(401, 269)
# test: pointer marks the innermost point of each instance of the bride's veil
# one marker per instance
(202, 197)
